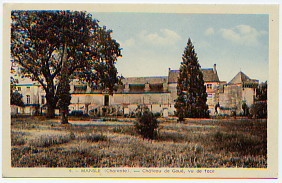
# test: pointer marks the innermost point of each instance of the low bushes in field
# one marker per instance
(94, 137)
(175, 137)
(49, 140)
(55, 157)
(243, 144)
(198, 143)
(117, 130)
(125, 130)
(18, 141)
(17, 138)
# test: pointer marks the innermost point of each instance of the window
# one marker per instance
(27, 88)
(28, 99)
(209, 86)
(19, 88)
(106, 100)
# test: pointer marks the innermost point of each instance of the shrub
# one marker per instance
(147, 125)
(245, 109)
(233, 113)
(157, 114)
(16, 99)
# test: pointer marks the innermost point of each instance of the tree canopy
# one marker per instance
(191, 91)
(39, 39)
(259, 107)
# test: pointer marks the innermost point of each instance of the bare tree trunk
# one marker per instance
(51, 104)
(50, 111)
(64, 89)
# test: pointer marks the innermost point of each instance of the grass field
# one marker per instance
(37, 142)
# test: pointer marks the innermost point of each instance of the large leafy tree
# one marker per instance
(191, 91)
(51, 45)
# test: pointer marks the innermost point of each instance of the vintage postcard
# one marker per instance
(140, 91)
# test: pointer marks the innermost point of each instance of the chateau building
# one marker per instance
(156, 93)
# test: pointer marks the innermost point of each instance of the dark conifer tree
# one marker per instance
(191, 91)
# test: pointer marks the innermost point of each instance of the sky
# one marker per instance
(154, 42)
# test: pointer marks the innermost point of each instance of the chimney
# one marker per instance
(126, 88)
(214, 68)
(165, 86)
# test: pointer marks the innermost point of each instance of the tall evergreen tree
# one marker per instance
(191, 91)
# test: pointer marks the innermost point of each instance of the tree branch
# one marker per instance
(32, 72)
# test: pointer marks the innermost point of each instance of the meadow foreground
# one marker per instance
(113, 142)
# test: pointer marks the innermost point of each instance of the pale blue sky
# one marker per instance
(154, 42)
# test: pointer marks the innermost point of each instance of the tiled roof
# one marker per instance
(242, 78)
(208, 75)
(140, 88)
(143, 80)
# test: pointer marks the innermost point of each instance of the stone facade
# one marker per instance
(156, 93)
